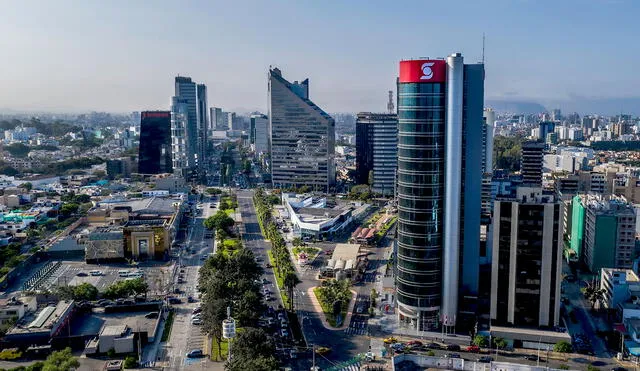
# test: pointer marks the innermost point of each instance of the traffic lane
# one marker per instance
(580, 307)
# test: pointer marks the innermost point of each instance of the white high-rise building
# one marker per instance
(259, 136)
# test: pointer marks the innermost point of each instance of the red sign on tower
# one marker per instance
(424, 70)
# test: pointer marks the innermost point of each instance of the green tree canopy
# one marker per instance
(253, 350)
(126, 288)
(481, 341)
(218, 221)
(562, 347)
(17, 149)
(61, 361)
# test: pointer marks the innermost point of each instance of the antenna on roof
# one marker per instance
(483, 48)
(390, 105)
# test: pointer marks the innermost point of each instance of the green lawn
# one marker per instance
(328, 310)
(280, 280)
(168, 325)
(219, 356)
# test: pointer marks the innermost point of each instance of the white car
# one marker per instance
(196, 321)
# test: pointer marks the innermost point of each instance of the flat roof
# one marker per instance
(114, 330)
(42, 320)
(94, 323)
(346, 251)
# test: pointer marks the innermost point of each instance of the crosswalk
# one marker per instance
(353, 367)
(355, 331)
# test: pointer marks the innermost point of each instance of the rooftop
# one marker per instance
(43, 320)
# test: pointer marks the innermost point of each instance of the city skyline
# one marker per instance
(64, 59)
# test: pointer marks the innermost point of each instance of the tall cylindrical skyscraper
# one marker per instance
(438, 190)
(453, 182)
(420, 190)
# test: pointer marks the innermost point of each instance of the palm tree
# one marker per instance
(290, 281)
(593, 294)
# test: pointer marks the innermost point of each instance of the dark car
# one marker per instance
(618, 369)
(151, 315)
(452, 355)
(453, 347)
(175, 301)
(433, 346)
(485, 359)
(81, 274)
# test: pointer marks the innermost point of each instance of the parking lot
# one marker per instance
(72, 273)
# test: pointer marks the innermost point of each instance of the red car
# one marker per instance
(473, 349)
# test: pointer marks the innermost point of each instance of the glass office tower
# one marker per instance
(440, 105)
(154, 154)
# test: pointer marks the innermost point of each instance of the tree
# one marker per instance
(507, 152)
(17, 149)
(126, 288)
(481, 341)
(562, 347)
(85, 291)
(593, 294)
(68, 208)
(253, 350)
(297, 241)
(500, 343)
(27, 186)
(213, 191)
(218, 221)
(61, 361)
(290, 281)
(130, 362)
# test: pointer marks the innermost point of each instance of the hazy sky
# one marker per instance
(122, 55)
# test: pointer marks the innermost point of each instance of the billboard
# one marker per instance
(423, 70)
(157, 114)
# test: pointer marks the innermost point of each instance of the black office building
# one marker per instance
(155, 142)
(377, 151)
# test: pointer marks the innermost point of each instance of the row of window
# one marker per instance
(435, 114)
(428, 101)
(432, 241)
(434, 205)
(419, 229)
(415, 88)
(434, 190)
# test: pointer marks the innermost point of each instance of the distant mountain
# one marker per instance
(514, 106)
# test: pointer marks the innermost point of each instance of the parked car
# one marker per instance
(485, 359)
(196, 321)
(81, 274)
(175, 301)
(390, 340)
(434, 346)
(452, 355)
(473, 349)
(195, 353)
(453, 347)
(152, 315)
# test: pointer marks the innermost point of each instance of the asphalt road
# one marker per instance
(184, 335)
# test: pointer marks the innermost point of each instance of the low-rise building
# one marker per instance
(618, 286)
(316, 218)
(104, 244)
(39, 327)
(13, 309)
(120, 338)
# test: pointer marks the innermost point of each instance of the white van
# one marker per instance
(123, 273)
